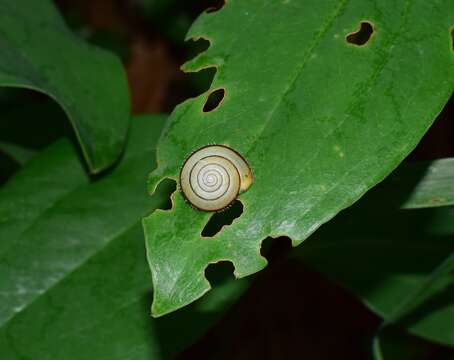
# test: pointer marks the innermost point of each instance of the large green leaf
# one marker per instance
(36, 189)
(319, 120)
(398, 262)
(39, 52)
(74, 282)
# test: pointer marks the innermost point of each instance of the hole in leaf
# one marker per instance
(163, 193)
(196, 47)
(223, 218)
(218, 273)
(274, 249)
(214, 100)
(216, 6)
(200, 83)
(362, 36)
(190, 84)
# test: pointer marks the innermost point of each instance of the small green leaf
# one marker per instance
(39, 52)
(74, 278)
(319, 120)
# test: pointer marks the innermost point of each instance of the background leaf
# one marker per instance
(40, 53)
(426, 183)
(331, 120)
(388, 259)
(73, 271)
(394, 344)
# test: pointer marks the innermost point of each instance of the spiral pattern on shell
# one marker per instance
(213, 176)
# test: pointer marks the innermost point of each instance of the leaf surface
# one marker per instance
(51, 209)
(40, 53)
(319, 120)
(74, 281)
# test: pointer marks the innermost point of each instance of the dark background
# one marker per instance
(289, 312)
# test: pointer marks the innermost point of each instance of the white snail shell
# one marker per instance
(213, 176)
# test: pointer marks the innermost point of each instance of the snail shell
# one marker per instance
(213, 176)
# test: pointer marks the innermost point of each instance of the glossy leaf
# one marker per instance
(74, 278)
(320, 121)
(40, 53)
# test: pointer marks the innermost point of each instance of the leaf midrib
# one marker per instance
(315, 42)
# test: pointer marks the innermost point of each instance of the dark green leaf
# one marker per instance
(102, 310)
(39, 52)
(74, 279)
(319, 120)
(389, 258)
(394, 344)
(34, 191)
